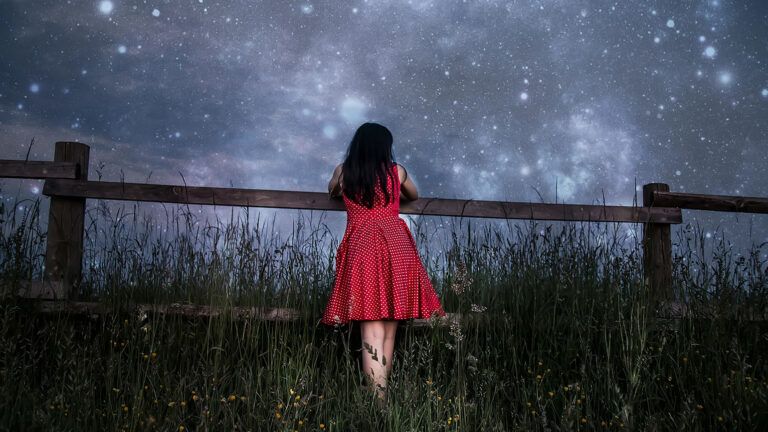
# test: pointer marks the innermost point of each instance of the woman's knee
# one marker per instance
(373, 330)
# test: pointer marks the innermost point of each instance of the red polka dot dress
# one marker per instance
(379, 274)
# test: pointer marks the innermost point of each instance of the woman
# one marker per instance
(380, 278)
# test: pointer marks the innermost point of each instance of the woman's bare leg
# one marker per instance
(372, 334)
(390, 330)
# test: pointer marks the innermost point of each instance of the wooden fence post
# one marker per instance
(657, 251)
(66, 217)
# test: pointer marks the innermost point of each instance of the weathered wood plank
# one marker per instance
(729, 203)
(321, 201)
(657, 250)
(38, 169)
(198, 311)
(66, 218)
(666, 311)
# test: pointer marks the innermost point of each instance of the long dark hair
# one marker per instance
(368, 161)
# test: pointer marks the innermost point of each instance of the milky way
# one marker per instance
(490, 100)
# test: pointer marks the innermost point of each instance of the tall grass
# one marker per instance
(557, 332)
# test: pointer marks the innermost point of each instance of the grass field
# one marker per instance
(557, 333)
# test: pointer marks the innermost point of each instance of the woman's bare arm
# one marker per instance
(334, 185)
(407, 187)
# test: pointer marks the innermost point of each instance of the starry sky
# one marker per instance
(563, 100)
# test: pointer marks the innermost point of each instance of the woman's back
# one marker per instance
(356, 211)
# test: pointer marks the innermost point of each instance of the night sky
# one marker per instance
(489, 100)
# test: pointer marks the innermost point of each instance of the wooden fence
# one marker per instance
(67, 185)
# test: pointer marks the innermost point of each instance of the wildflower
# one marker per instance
(456, 331)
(461, 279)
(278, 415)
(322, 425)
(699, 407)
(551, 393)
(290, 391)
(153, 355)
(279, 405)
(538, 377)
(183, 403)
(583, 420)
(181, 428)
(478, 308)
(172, 404)
(232, 398)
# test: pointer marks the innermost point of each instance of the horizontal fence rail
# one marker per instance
(39, 169)
(208, 311)
(321, 201)
(67, 185)
(711, 202)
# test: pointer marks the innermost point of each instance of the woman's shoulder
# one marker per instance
(401, 171)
